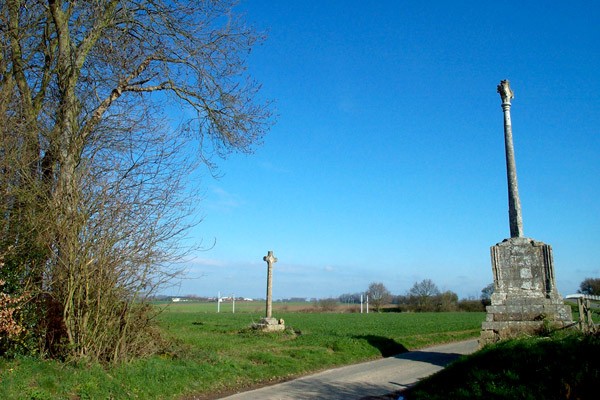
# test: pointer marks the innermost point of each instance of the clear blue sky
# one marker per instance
(387, 160)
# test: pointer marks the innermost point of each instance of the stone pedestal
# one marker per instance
(270, 325)
(525, 298)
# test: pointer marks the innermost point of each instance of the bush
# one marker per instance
(329, 304)
(10, 327)
(471, 305)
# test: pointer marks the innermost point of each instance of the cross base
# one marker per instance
(525, 299)
(270, 325)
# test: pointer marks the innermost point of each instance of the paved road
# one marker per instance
(374, 378)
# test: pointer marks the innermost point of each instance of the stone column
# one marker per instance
(270, 259)
(514, 204)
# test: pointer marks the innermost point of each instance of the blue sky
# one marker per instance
(387, 159)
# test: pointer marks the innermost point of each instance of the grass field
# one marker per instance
(212, 353)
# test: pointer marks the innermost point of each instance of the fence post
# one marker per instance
(361, 303)
(581, 314)
(588, 314)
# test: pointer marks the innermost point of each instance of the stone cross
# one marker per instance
(270, 259)
(514, 204)
(525, 298)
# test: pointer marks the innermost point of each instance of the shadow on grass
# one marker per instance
(535, 368)
(386, 346)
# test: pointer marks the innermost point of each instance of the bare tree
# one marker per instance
(425, 288)
(422, 294)
(378, 295)
(97, 192)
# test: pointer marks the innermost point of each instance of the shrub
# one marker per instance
(471, 305)
(329, 304)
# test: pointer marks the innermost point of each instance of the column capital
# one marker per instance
(506, 93)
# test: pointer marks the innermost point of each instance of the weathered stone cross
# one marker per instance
(525, 298)
(270, 259)
(514, 204)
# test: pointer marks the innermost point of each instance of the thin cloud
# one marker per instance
(270, 167)
(205, 262)
(222, 200)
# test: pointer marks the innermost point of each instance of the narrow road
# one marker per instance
(370, 379)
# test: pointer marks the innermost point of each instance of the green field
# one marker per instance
(210, 353)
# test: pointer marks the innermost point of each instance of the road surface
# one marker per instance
(361, 381)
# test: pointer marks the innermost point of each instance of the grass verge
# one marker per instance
(564, 366)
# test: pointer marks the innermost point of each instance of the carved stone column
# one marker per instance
(514, 204)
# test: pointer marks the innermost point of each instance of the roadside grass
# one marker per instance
(210, 353)
(563, 366)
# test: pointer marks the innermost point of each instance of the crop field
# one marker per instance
(254, 307)
(411, 330)
(209, 354)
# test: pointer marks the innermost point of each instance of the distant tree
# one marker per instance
(350, 298)
(421, 295)
(473, 305)
(425, 288)
(328, 304)
(447, 301)
(403, 302)
(378, 295)
(295, 300)
(590, 286)
(486, 294)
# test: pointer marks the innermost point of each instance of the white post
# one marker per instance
(218, 302)
(367, 303)
(233, 299)
(361, 303)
